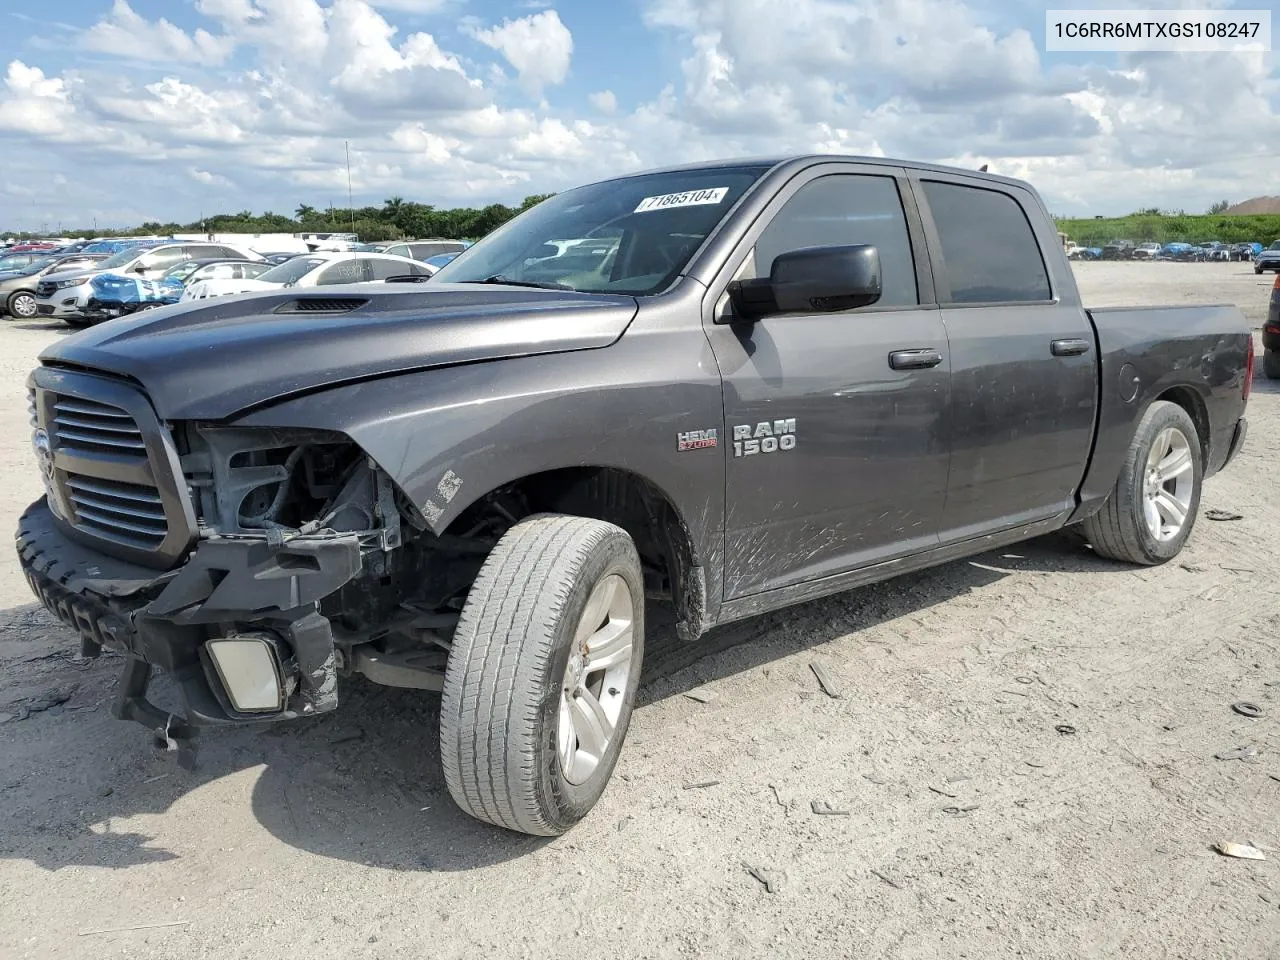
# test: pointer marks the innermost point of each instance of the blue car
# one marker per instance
(113, 295)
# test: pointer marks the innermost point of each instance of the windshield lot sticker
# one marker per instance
(690, 198)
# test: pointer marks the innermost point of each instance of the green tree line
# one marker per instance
(396, 219)
(1155, 226)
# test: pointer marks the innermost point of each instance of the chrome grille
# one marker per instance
(127, 512)
(91, 425)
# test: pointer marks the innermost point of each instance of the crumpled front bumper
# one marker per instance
(164, 619)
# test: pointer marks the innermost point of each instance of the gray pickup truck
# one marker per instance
(726, 388)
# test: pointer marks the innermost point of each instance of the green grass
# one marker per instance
(1171, 228)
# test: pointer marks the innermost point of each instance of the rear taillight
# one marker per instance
(1248, 369)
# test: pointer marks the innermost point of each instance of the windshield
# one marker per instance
(291, 271)
(181, 271)
(16, 261)
(631, 236)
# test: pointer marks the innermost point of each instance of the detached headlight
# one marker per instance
(73, 282)
(250, 671)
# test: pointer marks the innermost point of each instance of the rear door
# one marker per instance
(836, 457)
(1024, 381)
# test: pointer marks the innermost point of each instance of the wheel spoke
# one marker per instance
(1159, 448)
(609, 646)
(564, 733)
(1175, 464)
(1172, 511)
(597, 607)
(592, 727)
(1153, 517)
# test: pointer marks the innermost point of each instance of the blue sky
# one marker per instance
(124, 110)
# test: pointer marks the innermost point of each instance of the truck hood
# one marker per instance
(213, 359)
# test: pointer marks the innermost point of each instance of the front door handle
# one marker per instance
(920, 359)
(1069, 348)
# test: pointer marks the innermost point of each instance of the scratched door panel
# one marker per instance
(835, 460)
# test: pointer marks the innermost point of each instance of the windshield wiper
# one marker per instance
(507, 281)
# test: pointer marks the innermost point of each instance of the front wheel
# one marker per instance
(1271, 364)
(542, 674)
(22, 305)
(1153, 506)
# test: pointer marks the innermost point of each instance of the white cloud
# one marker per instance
(209, 179)
(538, 46)
(123, 33)
(604, 101)
(36, 104)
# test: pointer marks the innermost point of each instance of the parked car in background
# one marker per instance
(1180, 252)
(18, 289)
(317, 269)
(440, 260)
(1271, 335)
(112, 295)
(1118, 250)
(37, 246)
(423, 250)
(1245, 251)
(1216, 250)
(18, 261)
(1146, 251)
(1268, 259)
(275, 259)
(65, 295)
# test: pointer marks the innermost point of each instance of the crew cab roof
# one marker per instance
(808, 159)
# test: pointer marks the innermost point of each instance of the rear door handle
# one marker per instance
(920, 359)
(1069, 348)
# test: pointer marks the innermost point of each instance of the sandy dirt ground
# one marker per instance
(978, 824)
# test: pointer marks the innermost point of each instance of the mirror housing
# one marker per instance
(811, 280)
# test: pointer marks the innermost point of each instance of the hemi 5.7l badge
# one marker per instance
(698, 439)
(765, 437)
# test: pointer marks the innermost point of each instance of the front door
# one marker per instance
(837, 456)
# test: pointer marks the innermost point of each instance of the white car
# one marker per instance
(1146, 251)
(65, 295)
(314, 270)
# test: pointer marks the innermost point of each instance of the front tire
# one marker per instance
(21, 305)
(1271, 364)
(542, 674)
(1152, 509)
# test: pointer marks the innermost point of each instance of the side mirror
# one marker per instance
(811, 280)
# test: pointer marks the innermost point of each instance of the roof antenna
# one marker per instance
(983, 168)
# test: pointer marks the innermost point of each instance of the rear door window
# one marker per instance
(989, 250)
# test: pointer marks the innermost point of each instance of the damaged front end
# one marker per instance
(254, 566)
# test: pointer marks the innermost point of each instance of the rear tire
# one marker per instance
(1271, 364)
(1152, 509)
(529, 732)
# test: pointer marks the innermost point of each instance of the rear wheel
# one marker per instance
(1152, 508)
(542, 674)
(1271, 364)
(22, 305)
